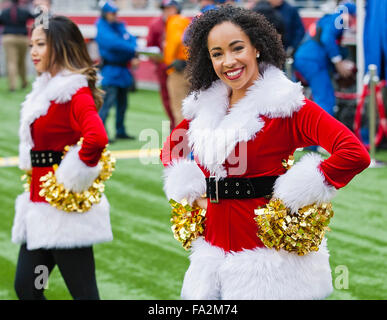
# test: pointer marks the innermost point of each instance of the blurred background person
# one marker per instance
(294, 28)
(273, 16)
(42, 3)
(206, 5)
(375, 43)
(375, 35)
(155, 38)
(15, 42)
(117, 49)
(225, 2)
(175, 56)
(321, 53)
(250, 4)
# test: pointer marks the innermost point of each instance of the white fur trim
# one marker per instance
(184, 179)
(42, 226)
(304, 184)
(19, 224)
(74, 174)
(256, 274)
(213, 133)
(45, 89)
(205, 262)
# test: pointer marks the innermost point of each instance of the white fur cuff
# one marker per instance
(303, 184)
(184, 179)
(74, 174)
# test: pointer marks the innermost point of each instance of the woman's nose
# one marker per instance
(229, 60)
(33, 51)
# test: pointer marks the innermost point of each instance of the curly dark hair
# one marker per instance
(261, 33)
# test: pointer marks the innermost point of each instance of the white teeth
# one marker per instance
(233, 74)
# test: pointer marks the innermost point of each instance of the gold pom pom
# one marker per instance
(187, 222)
(300, 233)
(27, 178)
(69, 201)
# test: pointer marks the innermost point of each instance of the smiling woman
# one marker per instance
(243, 120)
(233, 58)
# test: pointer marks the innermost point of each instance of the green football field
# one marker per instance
(144, 261)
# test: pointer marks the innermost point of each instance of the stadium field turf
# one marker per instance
(144, 261)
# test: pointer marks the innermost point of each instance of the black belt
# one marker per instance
(45, 158)
(239, 188)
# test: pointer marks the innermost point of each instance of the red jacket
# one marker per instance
(264, 130)
(65, 124)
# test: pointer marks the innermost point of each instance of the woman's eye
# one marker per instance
(41, 44)
(216, 54)
(238, 48)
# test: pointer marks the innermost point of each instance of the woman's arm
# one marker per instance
(80, 168)
(313, 179)
(182, 176)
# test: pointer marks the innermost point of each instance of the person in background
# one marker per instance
(117, 49)
(43, 3)
(155, 38)
(294, 28)
(375, 36)
(273, 16)
(206, 5)
(320, 53)
(375, 43)
(175, 56)
(250, 4)
(15, 42)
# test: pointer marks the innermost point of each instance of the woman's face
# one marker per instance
(233, 56)
(39, 49)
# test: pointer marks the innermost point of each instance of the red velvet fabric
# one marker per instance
(230, 223)
(64, 124)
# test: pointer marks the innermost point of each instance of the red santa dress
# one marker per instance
(58, 112)
(250, 140)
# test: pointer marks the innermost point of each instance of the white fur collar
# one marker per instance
(214, 133)
(45, 89)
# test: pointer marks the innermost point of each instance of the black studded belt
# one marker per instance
(239, 188)
(45, 158)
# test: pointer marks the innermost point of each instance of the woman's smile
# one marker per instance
(234, 74)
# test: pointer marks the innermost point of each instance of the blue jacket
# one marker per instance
(327, 48)
(118, 47)
(375, 34)
(294, 28)
(208, 7)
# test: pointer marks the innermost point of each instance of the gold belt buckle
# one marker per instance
(216, 200)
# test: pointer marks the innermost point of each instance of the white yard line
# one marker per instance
(118, 154)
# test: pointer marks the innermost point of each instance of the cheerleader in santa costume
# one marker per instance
(242, 119)
(60, 110)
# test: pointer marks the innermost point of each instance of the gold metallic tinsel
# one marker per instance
(300, 233)
(27, 178)
(287, 164)
(69, 201)
(187, 222)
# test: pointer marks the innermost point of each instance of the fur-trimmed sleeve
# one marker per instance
(85, 118)
(80, 168)
(314, 179)
(182, 176)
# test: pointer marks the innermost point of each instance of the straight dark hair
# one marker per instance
(67, 49)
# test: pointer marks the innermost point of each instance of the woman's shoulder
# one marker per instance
(83, 96)
(83, 91)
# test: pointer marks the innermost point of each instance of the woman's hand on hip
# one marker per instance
(201, 203)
